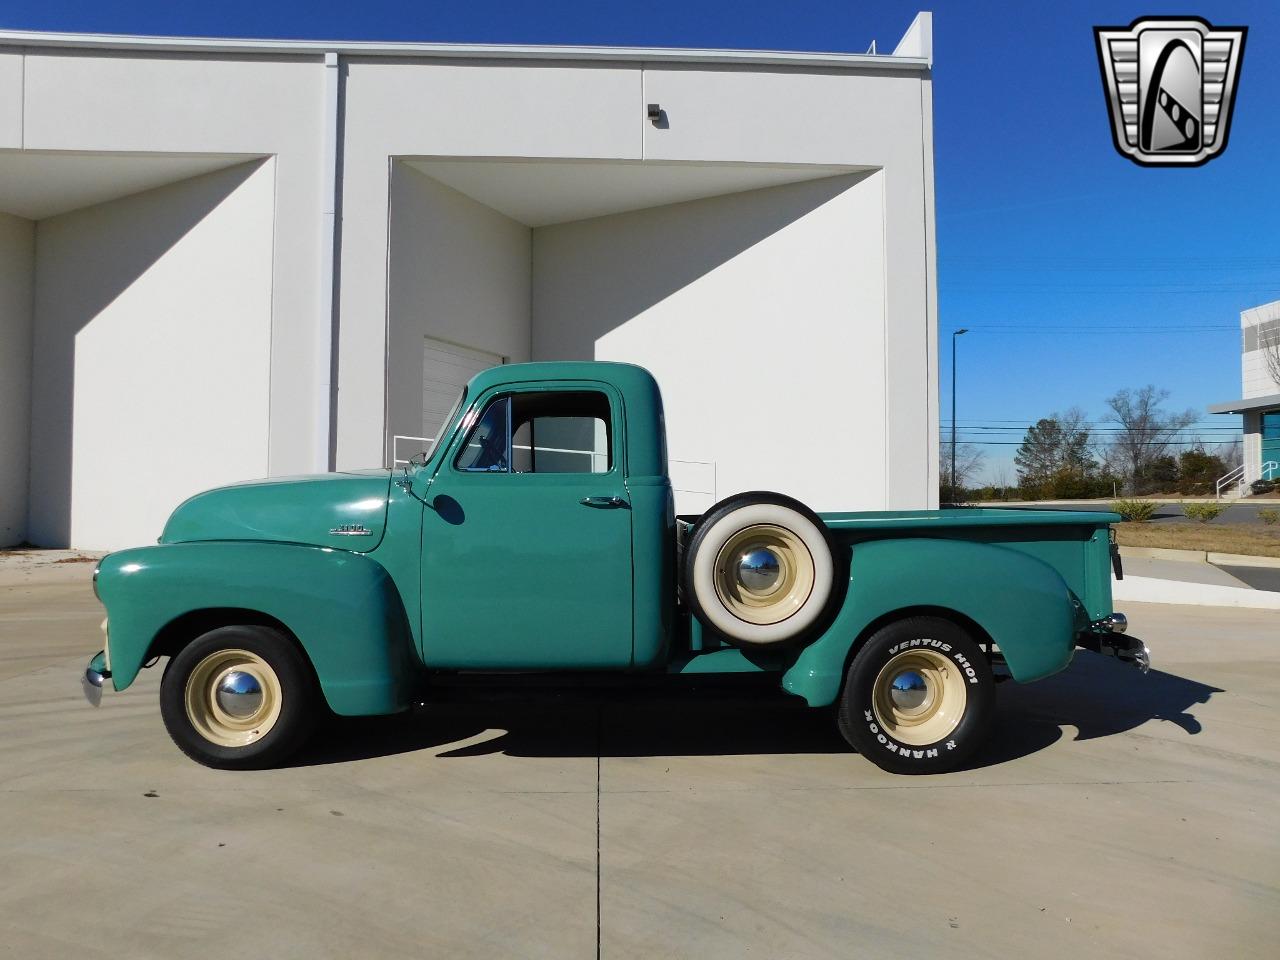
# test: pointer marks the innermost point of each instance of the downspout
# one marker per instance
(326, 318)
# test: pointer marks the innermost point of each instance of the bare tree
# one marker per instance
(1146, 431)
(1078, 453)
(1269, 344)
(1003, 478)
(969, 460)
(1231, 452)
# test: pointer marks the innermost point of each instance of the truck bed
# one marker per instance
(963, 517)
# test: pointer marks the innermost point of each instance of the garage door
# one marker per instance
(446, 368)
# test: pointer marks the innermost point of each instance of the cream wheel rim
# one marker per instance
(764, 573)
(919, 697)
(233, 698)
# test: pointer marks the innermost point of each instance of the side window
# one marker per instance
(549, 432)
(488, 446)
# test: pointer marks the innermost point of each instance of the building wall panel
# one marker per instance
(1256, 378)
(782, 117)
(761, 314)
(152, 355)
(459, 272)
(882, 120)
(396, 109)
(175, 103)
(17, 273)
(11, 82)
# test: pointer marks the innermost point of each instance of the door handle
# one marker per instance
(604, 503)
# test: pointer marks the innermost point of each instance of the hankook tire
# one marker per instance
(919, 697)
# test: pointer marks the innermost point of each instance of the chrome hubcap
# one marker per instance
(919, 697)
(909, 690)
(758, 570)
(763, 574)
(239, 694)
(233, 697)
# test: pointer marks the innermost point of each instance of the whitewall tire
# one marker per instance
(760, 569)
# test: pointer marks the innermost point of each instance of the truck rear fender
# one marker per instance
(342, 608)
(1020, 603)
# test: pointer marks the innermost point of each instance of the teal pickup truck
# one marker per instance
(539, 535)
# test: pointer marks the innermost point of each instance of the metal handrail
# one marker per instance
(397, 461)
(1270, 469)
(1235, 477)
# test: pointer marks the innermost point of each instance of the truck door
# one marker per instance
(526, 542)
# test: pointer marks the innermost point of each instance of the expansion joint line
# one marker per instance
(599, 750)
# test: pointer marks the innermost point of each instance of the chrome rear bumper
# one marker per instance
(1126, 650)
(1107, 637)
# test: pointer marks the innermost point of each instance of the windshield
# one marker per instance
(434, 441)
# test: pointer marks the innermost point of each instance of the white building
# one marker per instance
(226, 259)
(1260, 385)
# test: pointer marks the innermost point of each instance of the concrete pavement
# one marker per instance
(1114, 815)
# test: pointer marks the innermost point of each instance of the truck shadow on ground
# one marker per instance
(1096, 696)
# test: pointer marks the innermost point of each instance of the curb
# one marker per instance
(1243, 560)
(1153, 590)
(1164, 553)
(1199, 556)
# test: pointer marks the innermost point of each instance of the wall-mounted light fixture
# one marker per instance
(655, 112)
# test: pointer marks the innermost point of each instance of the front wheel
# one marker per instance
(238, 697)
(919, 697)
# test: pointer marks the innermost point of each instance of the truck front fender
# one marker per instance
(343, 608)
(1021, 602)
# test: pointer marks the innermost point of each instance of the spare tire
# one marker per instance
(760, 569)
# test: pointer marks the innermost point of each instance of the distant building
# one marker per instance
(225, 259)
(1260, 384)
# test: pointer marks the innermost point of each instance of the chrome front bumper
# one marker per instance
(95, 675)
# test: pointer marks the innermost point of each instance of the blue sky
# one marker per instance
(1077, 271)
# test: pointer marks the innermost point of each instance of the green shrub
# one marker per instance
(1270, 516)
(1198, 472)
(1135, 511)
(1203, 512)
(1158, 476)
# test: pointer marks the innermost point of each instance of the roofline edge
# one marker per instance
(455, 51)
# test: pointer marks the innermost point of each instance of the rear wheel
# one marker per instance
(239, 697)
(760, 569)
(919, 697)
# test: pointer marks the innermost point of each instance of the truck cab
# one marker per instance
(556, 473)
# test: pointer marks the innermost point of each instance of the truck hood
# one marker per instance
(346, 511)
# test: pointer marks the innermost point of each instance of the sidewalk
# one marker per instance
(1183, 571)
(1193, 580)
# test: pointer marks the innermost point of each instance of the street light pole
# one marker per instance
(954, 334)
